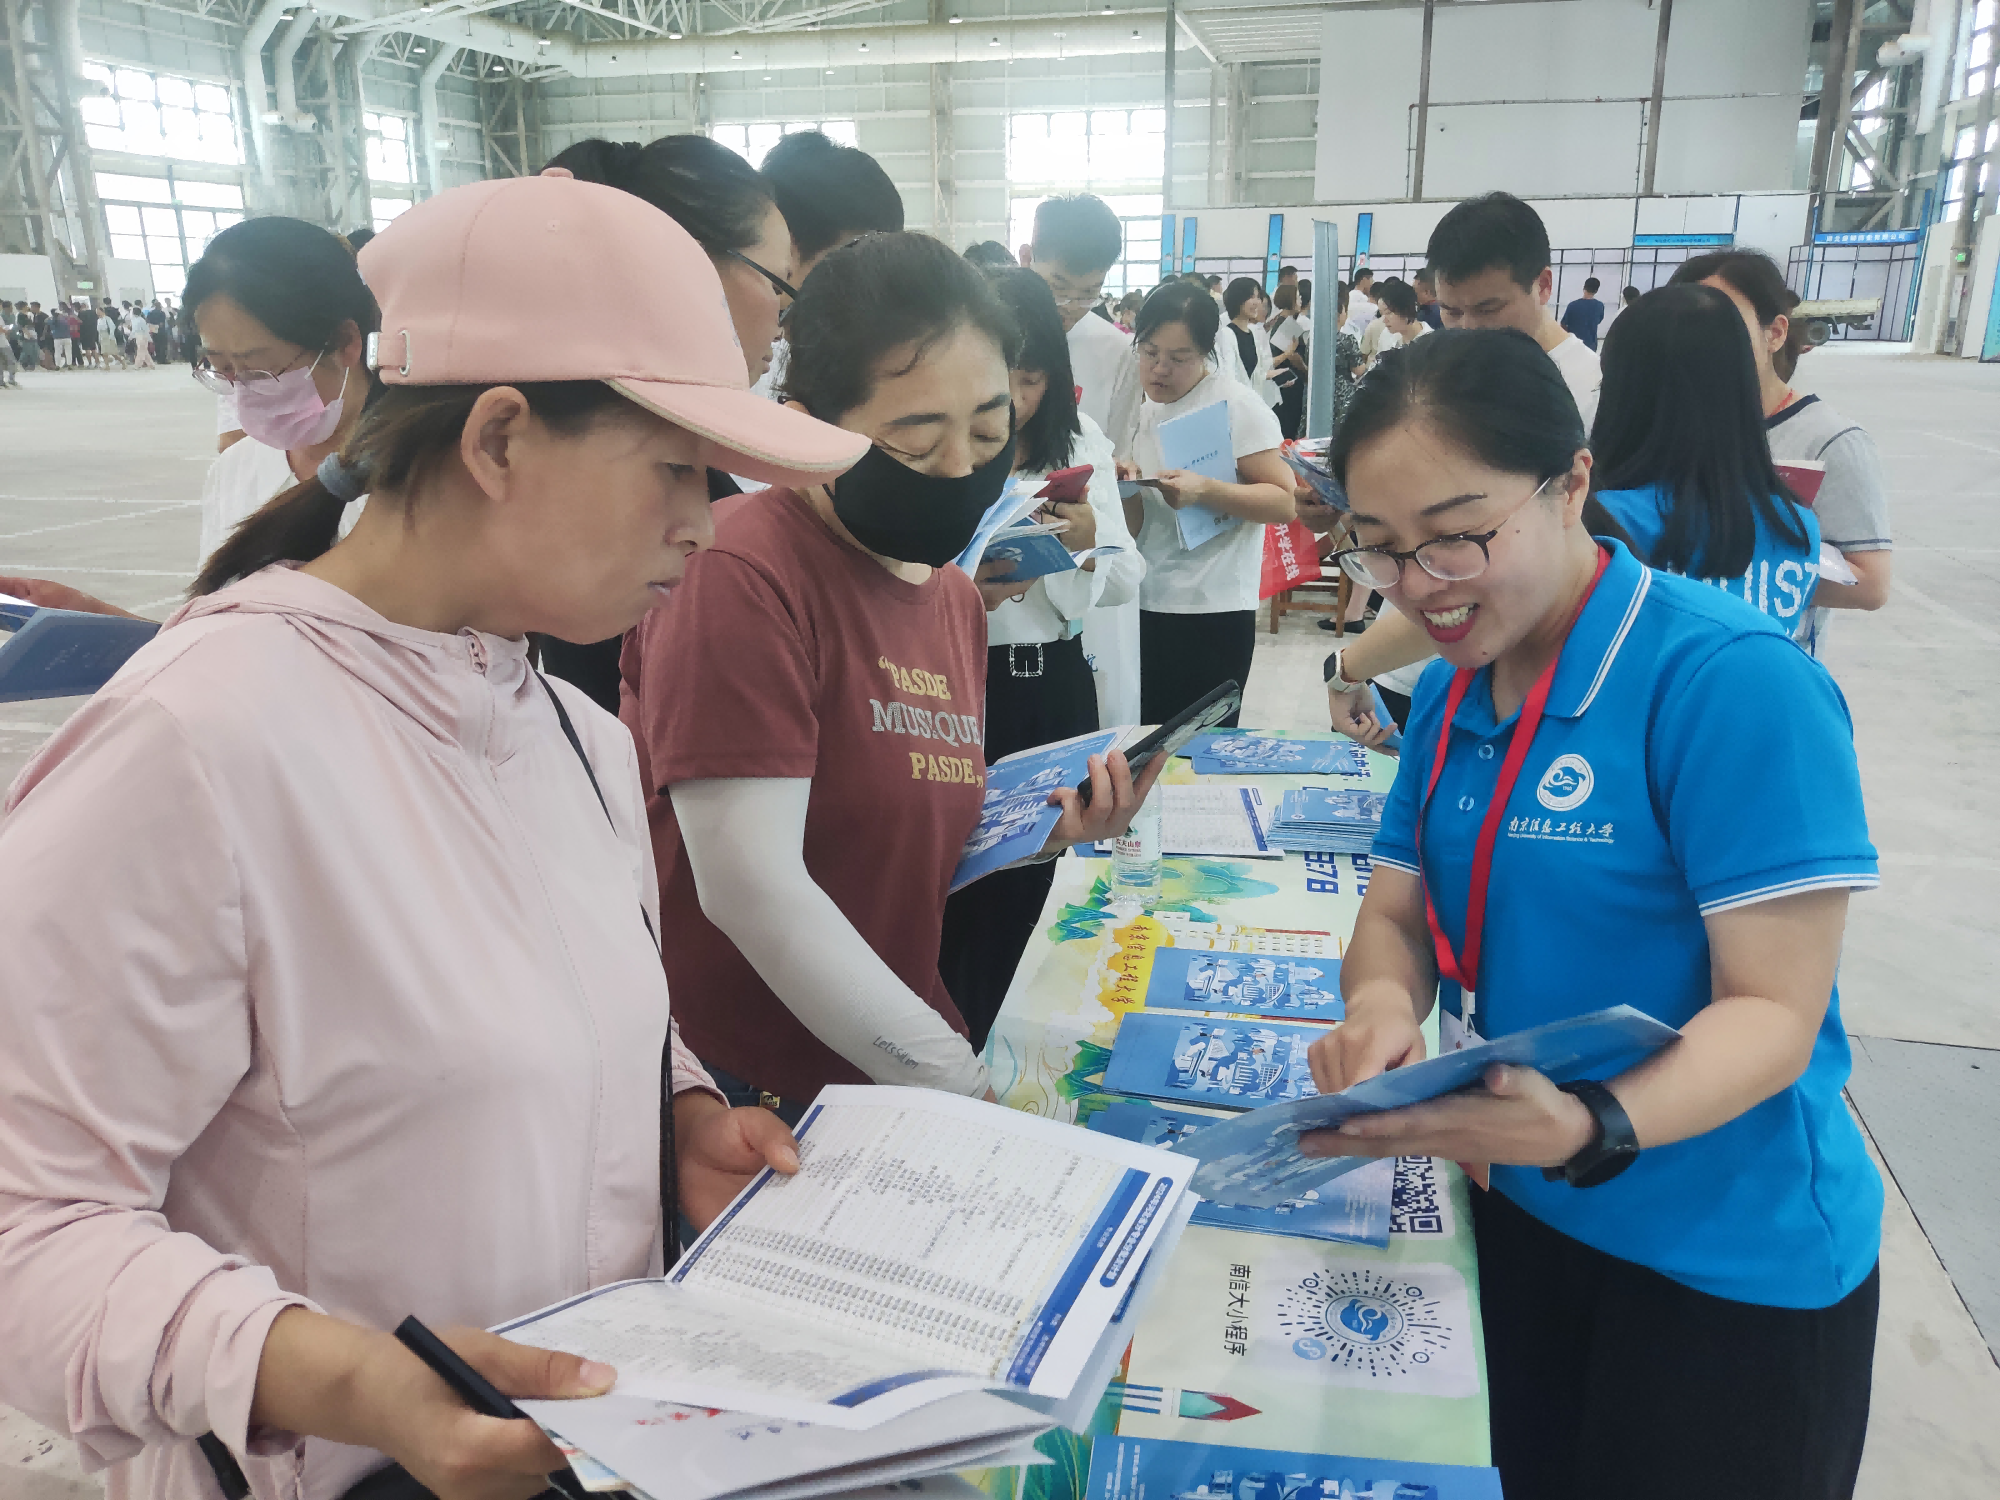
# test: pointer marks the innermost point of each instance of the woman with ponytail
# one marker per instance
(281, 313)
(332, 989)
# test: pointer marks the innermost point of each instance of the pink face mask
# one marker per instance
(287, 412)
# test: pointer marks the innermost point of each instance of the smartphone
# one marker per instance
(1204, 713)
(1065, 486)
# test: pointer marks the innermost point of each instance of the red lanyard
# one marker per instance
(1466, 974)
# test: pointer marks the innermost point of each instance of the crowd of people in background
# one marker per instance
(86, 335)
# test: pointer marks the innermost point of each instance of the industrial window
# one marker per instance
(1118, 154)
(1966, 159)
(392, 164)
(751, 141)
(155, 114)
(166, 222)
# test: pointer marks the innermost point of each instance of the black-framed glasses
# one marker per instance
(1448, 559)
(784, 288)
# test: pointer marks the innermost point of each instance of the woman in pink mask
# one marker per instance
(331, 991)
(281, 313)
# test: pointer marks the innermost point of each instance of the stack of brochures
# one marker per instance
(942, 1282)
(1328, 820)
(62, 653)
(1243, 752)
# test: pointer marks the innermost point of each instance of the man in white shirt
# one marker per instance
(1361, 307)
(1078, 239)
(1490, 256)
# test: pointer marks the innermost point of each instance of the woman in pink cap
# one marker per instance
(331, 992)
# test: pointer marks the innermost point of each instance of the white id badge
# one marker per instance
(1455, 1032)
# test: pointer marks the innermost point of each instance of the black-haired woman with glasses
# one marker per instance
(719, 199)
(281, 314)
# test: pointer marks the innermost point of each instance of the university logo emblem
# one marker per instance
(1566, 783)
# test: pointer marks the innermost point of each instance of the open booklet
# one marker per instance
(929, 1248)
(1009, 533)
(62, 653)
(1253, 1161)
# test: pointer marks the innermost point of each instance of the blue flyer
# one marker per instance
(1231, 752)
(1306, 989)
(1129, 1468)
(1016, 815)
(1226, 1064)
(1353, 1210)
(1199, 442)
(1254, 1161)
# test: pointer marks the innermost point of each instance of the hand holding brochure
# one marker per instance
(1036, 551)
(1253, 1161)
(1015, 816)
(929, 1246)
(1200, 442)
(62, 653)
(1017, 500)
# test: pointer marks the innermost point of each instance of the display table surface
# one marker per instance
(1219, 1357)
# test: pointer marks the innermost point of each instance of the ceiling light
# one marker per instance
(737, 55)
(673, 36)
(812, 26)
(541, 41)
(767, 78)
(498, 68)
(829, 72)
(994, 43)
(1135, 33)
(416, 52)
(425, 9)
(956, 21)
(864, 46)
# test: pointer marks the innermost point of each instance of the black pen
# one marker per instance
(474, 1389)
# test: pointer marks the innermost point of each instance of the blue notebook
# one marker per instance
(1264, 984)
(1353, 1210)
(1016, 815)
(1133, 1468)
(1254, 1161)
(1205, 1060)
(1200, 441)
(65, 653)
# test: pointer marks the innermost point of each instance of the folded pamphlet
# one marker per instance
(63, 653)
(1239, 752)
(1312, 471)
(1036, 551)
(1018, 500)
(1218, 1061)
(1352, 1210)
(1199, 442)
(1132, 1468)
(1015, 815)
(1253, 1161)
(930, 1246)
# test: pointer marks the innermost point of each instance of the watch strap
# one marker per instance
(1614, 1144)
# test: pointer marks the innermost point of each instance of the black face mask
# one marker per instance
(895, 511)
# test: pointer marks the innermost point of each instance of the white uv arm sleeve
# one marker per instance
(745, 842)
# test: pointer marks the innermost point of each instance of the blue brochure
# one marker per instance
(1037, 554)
(1354, 1211)
(1204, 1060)
(1200, 441)
(1254, 1161)
(1016, 815)
(1235, 752)
(1131, 1468)
(1264, 984)
(65, 653)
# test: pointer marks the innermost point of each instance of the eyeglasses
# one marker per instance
(208, 376)
(784, 288)
(1179, 360)
(1448, 559)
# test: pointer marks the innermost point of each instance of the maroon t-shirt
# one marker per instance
(786, 654)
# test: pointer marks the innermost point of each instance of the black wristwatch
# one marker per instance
(1613, 1145)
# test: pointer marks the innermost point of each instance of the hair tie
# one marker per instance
(344, 481)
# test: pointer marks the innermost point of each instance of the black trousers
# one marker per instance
(1183, 656)
(1034, 695)
(1292, 408)
(1609, 1380)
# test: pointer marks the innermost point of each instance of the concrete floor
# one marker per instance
(100, 478)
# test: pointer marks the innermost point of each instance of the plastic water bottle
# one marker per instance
(1135, 858)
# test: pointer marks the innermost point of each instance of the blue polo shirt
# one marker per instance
(1691, 760)
(1781, 577)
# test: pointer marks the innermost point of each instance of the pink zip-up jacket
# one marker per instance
(323, 982)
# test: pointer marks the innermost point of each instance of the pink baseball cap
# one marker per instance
(547, 278)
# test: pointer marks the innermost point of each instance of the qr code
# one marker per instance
(1416, 1203)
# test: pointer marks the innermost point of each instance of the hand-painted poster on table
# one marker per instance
(1163, 964)
(1150, 1469)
